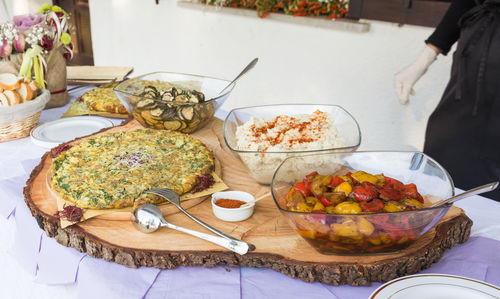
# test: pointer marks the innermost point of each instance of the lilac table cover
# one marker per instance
(51, 263)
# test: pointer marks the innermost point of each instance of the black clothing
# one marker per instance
(463, 132)
(447, 32)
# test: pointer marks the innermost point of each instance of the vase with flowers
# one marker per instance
(37, 46)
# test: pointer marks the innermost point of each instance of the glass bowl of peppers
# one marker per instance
(361, 202)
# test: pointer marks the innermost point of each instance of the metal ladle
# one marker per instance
(148, 218)
(474, 191)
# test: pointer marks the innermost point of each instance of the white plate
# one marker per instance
(436, 286)
(53, 133)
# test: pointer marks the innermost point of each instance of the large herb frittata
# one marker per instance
(113, 170)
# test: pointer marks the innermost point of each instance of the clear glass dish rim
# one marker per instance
(291, 152)
(115, 89)
(448, 205)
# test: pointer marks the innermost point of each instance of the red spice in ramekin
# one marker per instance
(229, 203)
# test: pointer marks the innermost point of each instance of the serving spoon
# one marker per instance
(474, 191)
(246, 69)
(174, 199)
(148, 218)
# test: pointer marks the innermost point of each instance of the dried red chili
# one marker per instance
(203, 182)
(70, 213)
(60, 149)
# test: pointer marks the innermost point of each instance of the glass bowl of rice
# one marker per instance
(264, 136)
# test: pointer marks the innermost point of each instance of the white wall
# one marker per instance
(297, 63)
(10, 8)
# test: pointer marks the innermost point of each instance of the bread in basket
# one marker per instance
(16, 121)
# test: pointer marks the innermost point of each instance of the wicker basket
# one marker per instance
(17, 121)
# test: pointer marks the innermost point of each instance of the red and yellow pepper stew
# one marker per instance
(355, 193)
(352, 193)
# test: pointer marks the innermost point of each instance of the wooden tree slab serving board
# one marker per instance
(279, 247)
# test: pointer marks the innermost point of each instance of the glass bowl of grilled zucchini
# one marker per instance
(173, 101)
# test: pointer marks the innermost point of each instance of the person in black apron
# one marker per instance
(463, 132)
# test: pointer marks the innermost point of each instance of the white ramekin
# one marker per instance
(236, 214)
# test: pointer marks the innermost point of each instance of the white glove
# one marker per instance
(407, 77)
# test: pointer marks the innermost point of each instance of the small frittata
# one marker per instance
(113, 170)
(103, 99)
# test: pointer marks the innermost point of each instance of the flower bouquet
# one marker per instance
(37, 46)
